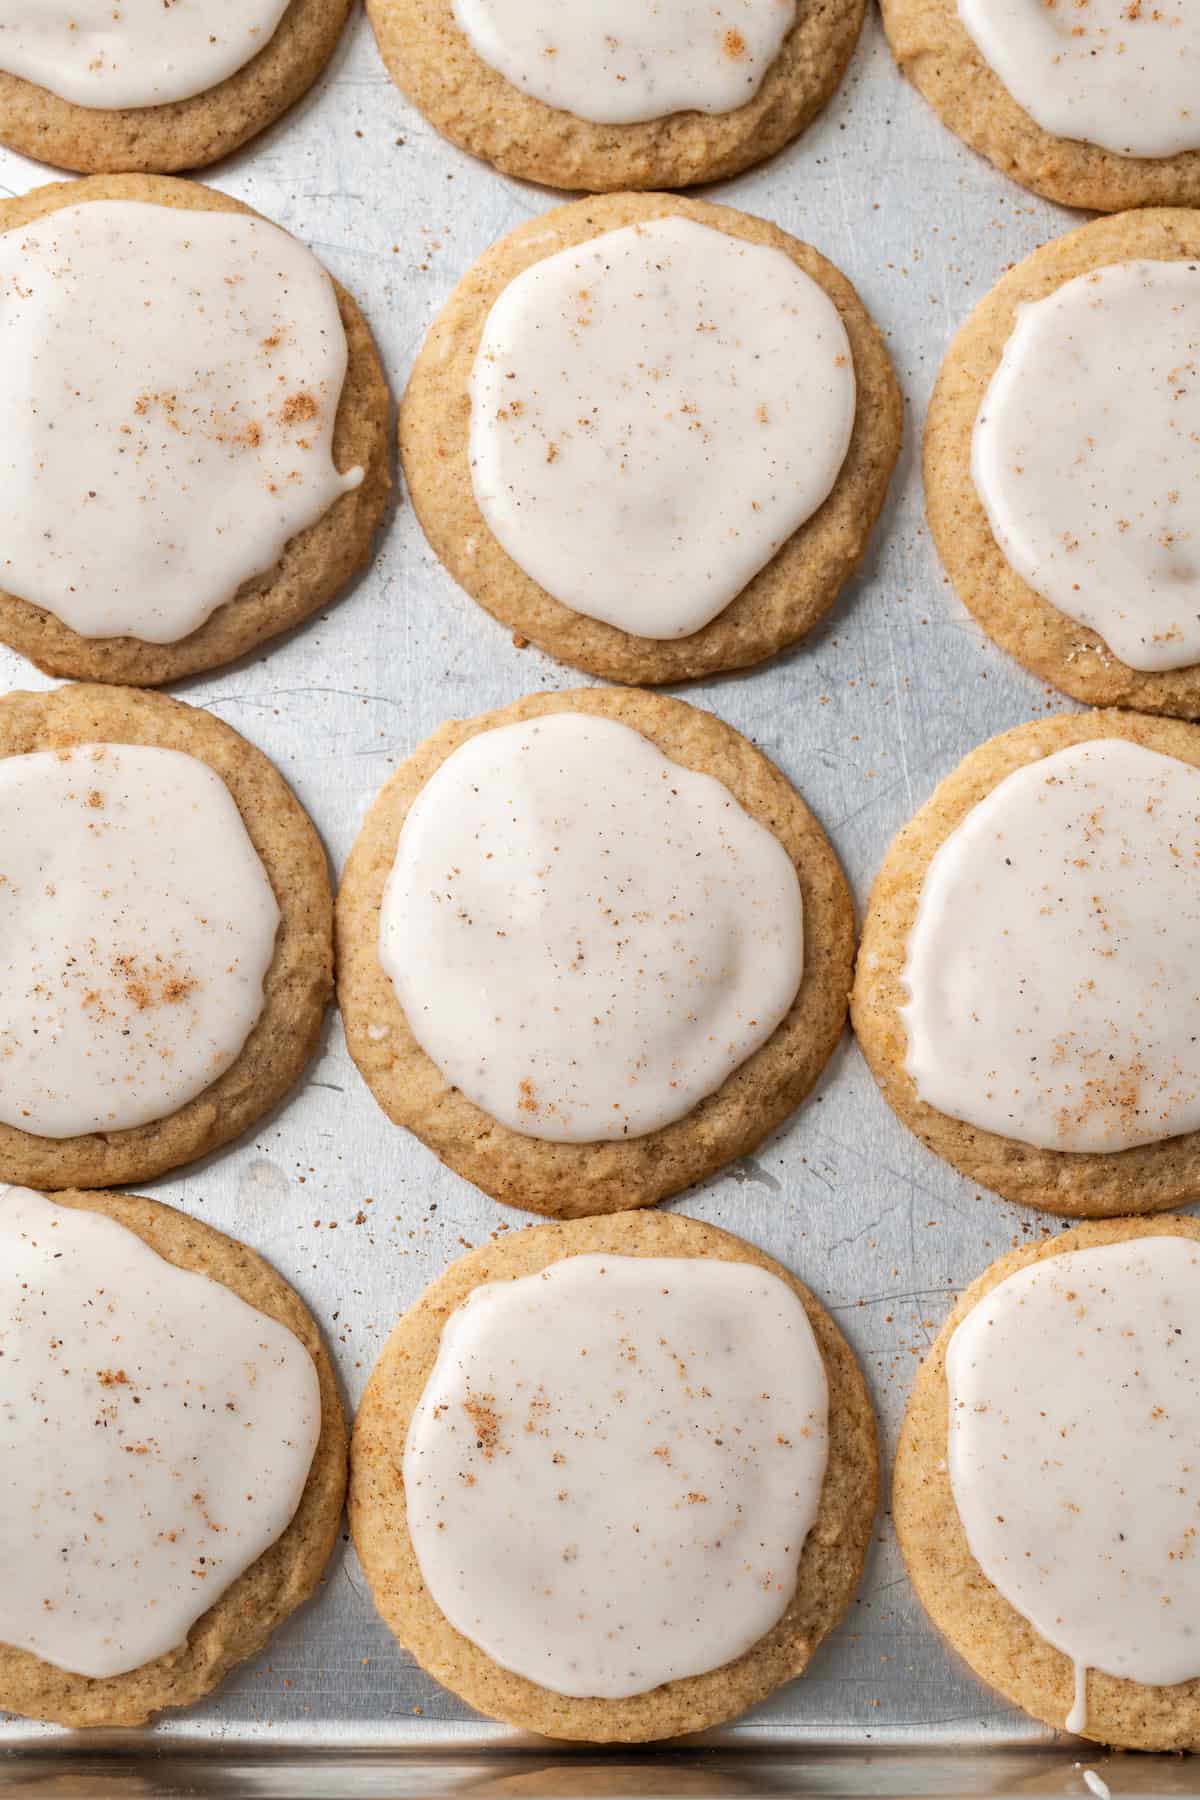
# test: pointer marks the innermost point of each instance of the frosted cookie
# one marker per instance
(151, 86)
(1062, 462)
(172, 1461)
(615, 94)
(652, 435)
(1092, 105)
(1026, 988)
(1046, 1486)
(165, 917)
(614, 1480)
(590, 948)
(194, 466)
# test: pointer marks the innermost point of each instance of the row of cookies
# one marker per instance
(1095, 111)
(611, 1480)
(649, 434)
(588, 995)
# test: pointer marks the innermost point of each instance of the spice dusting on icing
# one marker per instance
(1074, 1396)
(137, 925)
(156, 1434)
(133, 53)
(1053, 971)
(1086, 456)
(159, 451)
(618, 62)
(653, 414)
(586, 937)
(651, 1464)
(1121, 74)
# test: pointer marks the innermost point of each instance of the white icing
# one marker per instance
(614, 1465)
(136, 927)
(169, 382)
(653, 414)
(617, 62)
(586, 937)
(132, 53)
(1074, 1391)
(1121, 74)
(156, 1434)
(1053, 971)
(1086, 456)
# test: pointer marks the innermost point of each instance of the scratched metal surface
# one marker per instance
(865, 717)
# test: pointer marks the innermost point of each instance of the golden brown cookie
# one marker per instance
(298, 983)
(1071, 656)
(570, 1180)
(270, 1589)
(936, 52)
(186, 134)
(315, 565)
(1079, 1185)
(1001, 1646)
(830, 1566)
(429, 57)
(785, 599)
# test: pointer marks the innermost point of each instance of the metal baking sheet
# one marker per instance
(864, 717)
